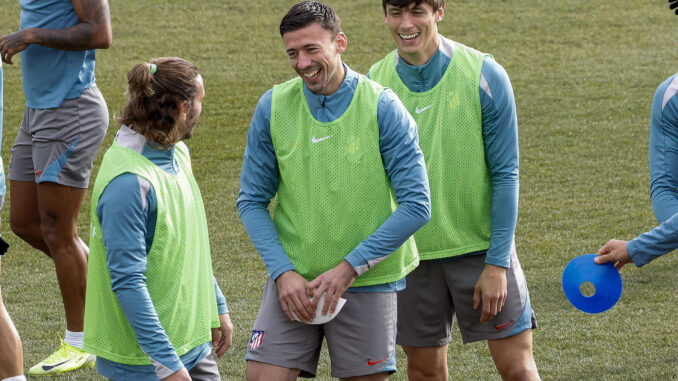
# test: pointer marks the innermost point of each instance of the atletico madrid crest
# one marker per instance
(257, 339)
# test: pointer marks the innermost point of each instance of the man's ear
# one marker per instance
(341, 42)
(182, 109)
(440, 13)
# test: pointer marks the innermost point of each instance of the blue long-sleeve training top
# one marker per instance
(664, 150)
(127, 210)
(663, 177)
(500, 137)
(402, 158)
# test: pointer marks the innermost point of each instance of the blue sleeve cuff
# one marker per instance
(279, 271)
(222, 307)
(633, 247)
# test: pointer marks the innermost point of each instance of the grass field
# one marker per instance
(583, 73)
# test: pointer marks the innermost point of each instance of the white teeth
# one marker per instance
(408, 36)
(311, 74)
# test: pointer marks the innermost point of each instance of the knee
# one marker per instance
(429, 368)
(520, 371)
(21, 228)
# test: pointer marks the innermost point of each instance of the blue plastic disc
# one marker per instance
(605, 278)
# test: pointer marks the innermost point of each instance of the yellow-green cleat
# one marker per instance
(65, 359)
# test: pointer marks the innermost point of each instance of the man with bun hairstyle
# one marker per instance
(64, 123)
(463, 103)
(154, 309)
(337, 151)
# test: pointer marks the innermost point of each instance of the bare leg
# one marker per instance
(370, 377)
(513, 357)
(25, 214)
(259, 371)
(426, 363)
(59, 206)
(11, 352)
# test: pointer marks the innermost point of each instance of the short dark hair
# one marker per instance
(306, 13)
(155, 89)
(436, 4)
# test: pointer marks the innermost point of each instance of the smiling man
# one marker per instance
(151, 295)
(463, 103)
(330, 145)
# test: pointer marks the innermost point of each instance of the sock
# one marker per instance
(74, 339)
(15, 378)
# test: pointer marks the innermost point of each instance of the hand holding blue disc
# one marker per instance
(605, 278)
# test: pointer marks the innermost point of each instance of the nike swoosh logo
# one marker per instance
(370, 363)
(420, 110)
(500, 327)
(314, 140)
(50, 367)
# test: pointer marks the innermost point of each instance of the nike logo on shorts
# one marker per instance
(500, 327)
(370, 363)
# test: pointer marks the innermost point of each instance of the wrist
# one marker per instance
(348, 267)
(494, 268)
(30, 36)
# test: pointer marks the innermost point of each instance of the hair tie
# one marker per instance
(154, 68)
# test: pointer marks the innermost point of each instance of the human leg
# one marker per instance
(513, 357)
(59, 206)
(24, 217)
(509, 334)
(11, 351)
(63, 143)
(259, 371)
(280, 349)
(426, 363)
(370, 377)
(361, 338)
(425, 316)
(24, 213)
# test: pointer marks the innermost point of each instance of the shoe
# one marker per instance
(65, 359)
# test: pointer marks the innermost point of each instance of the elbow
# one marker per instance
(102, 39)
(426, 216)
(422, 212)
(103, 42)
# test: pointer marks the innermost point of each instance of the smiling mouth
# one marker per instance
(311, 74)
(408, 37)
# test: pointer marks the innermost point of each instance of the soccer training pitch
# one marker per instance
(583, 72)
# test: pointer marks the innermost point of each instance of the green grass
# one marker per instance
(583, 73)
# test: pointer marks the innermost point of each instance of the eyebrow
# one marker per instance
(303, 47)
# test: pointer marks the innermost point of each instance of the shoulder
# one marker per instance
(494, 81)
(493, 71)
(123, 193)
(666, 93)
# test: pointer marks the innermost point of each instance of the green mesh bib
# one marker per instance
(333, 190)
(179, 269)
(450, 134)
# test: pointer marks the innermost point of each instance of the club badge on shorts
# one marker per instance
(257, 339)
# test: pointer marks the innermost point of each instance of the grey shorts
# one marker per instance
(59, 145)
(206, 369)
(439, 290)
(360, 339)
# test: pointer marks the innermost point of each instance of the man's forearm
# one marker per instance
(78, 37)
